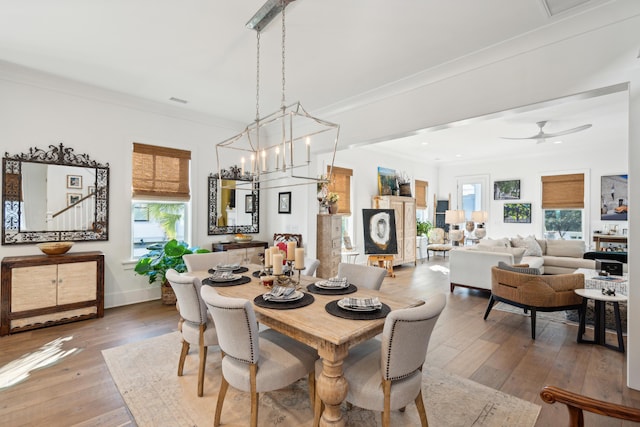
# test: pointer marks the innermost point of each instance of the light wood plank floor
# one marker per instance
(78, 391)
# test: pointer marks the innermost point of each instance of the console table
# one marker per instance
(242, 253)
(225, 246)
(608, 238)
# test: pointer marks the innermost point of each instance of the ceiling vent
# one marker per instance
(555, 7)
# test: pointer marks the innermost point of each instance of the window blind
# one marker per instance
(421, 194)
(341, 184)
(563, 191)
(160, 172)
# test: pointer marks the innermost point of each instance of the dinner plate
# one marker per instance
(224, 270)
(347, 307)
(321, 285)
(296, 295)
(230, 278)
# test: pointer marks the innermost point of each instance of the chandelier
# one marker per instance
(274, 151)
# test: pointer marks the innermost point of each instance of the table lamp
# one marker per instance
(480, 217)
(453, 218)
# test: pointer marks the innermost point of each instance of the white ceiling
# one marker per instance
(337, 51)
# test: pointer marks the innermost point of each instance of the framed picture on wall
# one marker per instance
(284, 202)
(518, 213)
(506, 190)
(74, 181)
(614, 194)
(73, 198)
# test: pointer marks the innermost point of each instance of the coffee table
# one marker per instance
(600, 300)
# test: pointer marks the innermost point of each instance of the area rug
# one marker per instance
(145, 373)
(570, 317)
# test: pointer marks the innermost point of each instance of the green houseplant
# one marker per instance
(162, 257)
(423, 227)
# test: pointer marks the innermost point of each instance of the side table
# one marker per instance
(600, 300)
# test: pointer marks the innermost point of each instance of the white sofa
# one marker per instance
(470, 266)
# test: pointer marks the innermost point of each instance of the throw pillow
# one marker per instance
(523, 270)
(503, 242)
(532, 248)
(568, 248)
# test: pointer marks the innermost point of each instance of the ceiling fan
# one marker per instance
(542, 136)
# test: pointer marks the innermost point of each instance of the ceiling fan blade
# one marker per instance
(568, 131)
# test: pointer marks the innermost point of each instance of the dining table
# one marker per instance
(330, 335)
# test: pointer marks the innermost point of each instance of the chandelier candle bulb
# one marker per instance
(277, 155)
(291, 251)
(299, 262)
(277, 264)
(264, 160)
(253, 163)
(308, 142)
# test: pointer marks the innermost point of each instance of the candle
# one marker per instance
(277, 155)
(242, 168)
(264, 160)
(267, 257)
(291, 251)
(253, 162)
(277, 264)
(299, 264)
(308, 142)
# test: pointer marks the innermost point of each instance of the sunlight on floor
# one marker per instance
(439, 269)
(19, 370)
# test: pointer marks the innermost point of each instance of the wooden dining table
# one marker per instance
(330, 335)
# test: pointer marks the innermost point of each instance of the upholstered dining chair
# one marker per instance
(386, 375)
(364, 276)
(204, 261)
(311, 265)
(195, 325)
(254, 362)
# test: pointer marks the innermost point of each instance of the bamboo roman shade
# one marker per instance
(341, 184)
(421, 194)
(160, 172)
(563, 191)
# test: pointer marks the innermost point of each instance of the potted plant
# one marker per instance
(332, 199)
(423, 227)
(159, 259)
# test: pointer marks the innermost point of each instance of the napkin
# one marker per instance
(227, 267)
(279, 293)
(335, 282)
(224, 275)
(361, 303)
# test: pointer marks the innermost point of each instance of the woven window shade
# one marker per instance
(421, 194)
(563, 191)
(341, 184)
(160, 172)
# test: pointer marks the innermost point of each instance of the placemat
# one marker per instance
(236, 271)
(240, 281)
(302, 302)
(338, 291)
(333, 309)
(258, 273)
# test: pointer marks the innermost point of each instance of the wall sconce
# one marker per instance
(453, 218)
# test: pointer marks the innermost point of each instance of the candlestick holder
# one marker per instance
(299, 272)
(282, 279)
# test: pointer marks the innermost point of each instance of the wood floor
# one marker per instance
(498, 352)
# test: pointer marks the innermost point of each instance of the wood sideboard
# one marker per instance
(247, 252)
(44, 290)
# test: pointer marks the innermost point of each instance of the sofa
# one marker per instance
(470, 266)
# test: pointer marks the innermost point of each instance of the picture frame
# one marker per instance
(614, 196)
(379, 231)
(248, 203)
(506, 190)
(141, 213)
(517, 213)
(387, 184)
(74, 181)
(73, 198)
(91, 189)
(284, 202)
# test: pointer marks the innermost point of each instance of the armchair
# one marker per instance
(534, 292)
(437, 242)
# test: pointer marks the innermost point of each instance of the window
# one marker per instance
(161, 193)
(563, 206)
(341, 184)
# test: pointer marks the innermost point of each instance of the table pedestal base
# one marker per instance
(599, 335)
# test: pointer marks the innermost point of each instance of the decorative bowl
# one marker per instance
(55, 248)
(243, 239)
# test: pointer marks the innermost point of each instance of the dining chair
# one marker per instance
(385, 375)
(364, 276)
(205, 261)
(195, 325)
(311, 265)
(255, 362)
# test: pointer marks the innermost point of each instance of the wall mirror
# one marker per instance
(54, 195)
(233, 203)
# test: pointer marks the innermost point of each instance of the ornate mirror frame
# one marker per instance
(12, 166)
(233, 174)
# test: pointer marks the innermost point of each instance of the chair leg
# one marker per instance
(224, 386)
(533, 323)
(492, 301)
(421, 411)
(254, 395)
(203, 361)
(386, 414)
(183, 356)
